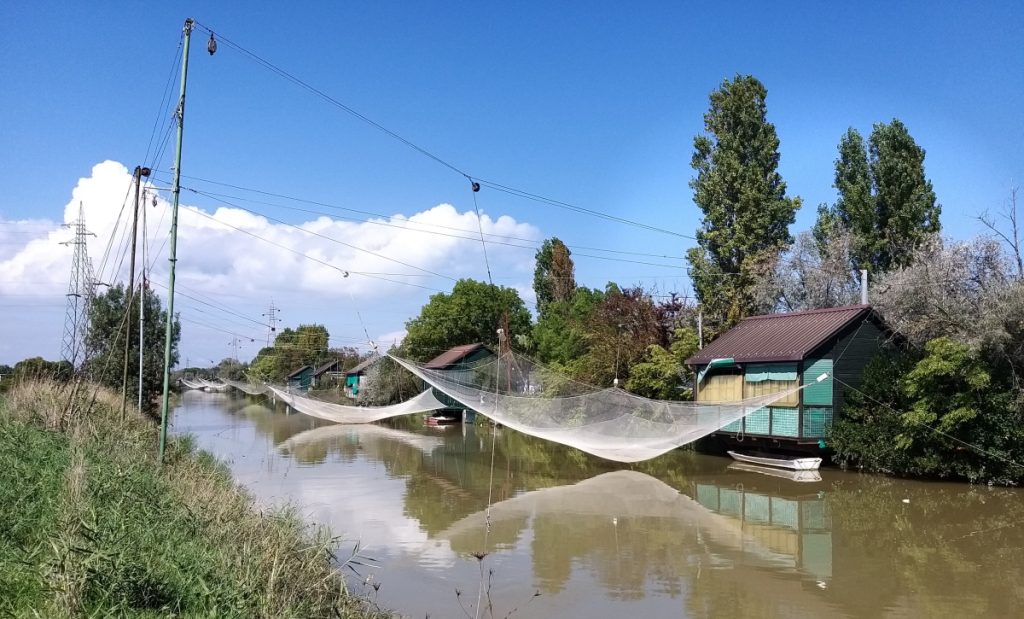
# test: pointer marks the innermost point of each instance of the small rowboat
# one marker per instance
(793, 464)
(798, 476)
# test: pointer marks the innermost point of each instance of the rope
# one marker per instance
(475, 188)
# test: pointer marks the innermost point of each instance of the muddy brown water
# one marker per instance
(569, 535)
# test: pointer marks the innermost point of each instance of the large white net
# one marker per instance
(249, 388)
(340, 413)
(609, 423)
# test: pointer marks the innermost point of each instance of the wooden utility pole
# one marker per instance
(138, 174)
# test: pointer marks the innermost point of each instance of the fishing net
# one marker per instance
(609, 423)
(340, 413)
(249, 388)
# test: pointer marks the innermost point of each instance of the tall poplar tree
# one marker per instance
(554, 277)
(885, 201)
(743, 198)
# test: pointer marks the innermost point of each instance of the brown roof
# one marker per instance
(452, 356)
(362, 365)
(300, 371)
(779, 337)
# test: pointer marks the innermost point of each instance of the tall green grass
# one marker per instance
(92, 525)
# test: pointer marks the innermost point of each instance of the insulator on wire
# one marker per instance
(476, 186)
(211, 45)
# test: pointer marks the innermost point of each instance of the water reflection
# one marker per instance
(685, 534)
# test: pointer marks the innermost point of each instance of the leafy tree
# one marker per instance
(661, 374)
(105, 339)
(560, 335)
(885, 201)
(292, 349)
(230, 369)
(746, 214)
(554, 277)
(618, 334)
(38, 368)
(944, 412)
(471, 313)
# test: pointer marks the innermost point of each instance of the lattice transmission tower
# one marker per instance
(79, 297)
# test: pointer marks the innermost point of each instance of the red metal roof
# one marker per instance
(452, 356)
(779, 337)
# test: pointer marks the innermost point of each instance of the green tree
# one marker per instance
(36, 368)
(885, 201)
(108, 327)
(292, 349)
(746, 214)
(560, 335)
(471, 313)
(554, 277)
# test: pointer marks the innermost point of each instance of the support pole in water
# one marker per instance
(176, 191)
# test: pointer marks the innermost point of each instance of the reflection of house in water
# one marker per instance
(790, 530)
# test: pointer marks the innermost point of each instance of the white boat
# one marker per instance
(793, 464)
(798, 476)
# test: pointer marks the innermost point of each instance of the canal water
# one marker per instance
(569, 535)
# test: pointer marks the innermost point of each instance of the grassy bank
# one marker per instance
(91, 525)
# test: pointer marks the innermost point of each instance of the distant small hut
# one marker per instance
(777, 352)
(355, 377)
(458, 360)
(326, 373)
(301, 379)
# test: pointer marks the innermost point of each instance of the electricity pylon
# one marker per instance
(79, 297)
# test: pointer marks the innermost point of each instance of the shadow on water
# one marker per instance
(684, 534)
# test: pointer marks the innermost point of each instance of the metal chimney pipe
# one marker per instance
(863, 287)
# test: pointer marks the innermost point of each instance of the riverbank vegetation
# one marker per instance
(92, 525)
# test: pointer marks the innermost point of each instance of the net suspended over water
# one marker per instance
(340, 413)
(609, 423)
(249, 388)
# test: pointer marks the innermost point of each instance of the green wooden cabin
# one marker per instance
(462, 361)
(768, 354)
(301, 379)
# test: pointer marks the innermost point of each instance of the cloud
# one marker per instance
(320, 269)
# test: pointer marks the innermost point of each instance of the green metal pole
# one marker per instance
(174, 241)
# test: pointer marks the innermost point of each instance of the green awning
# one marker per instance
(760, 372)
(715, 363)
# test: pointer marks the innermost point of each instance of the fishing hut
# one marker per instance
(778, 352)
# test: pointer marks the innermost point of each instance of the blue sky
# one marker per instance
(597, 107)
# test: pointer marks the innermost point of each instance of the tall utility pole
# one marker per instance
(137, 175)
(143, 287)
(176, 192)
(79, 295)
(271, 316)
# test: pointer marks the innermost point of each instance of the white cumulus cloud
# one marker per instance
(233, 258)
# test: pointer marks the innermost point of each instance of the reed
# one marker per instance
(92, 525)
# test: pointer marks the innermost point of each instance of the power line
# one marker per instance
(344, 272)
(423, 151)
(532, 247)
(328, 238)
(533, 243)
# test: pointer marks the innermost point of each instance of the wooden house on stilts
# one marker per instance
(776, 352)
